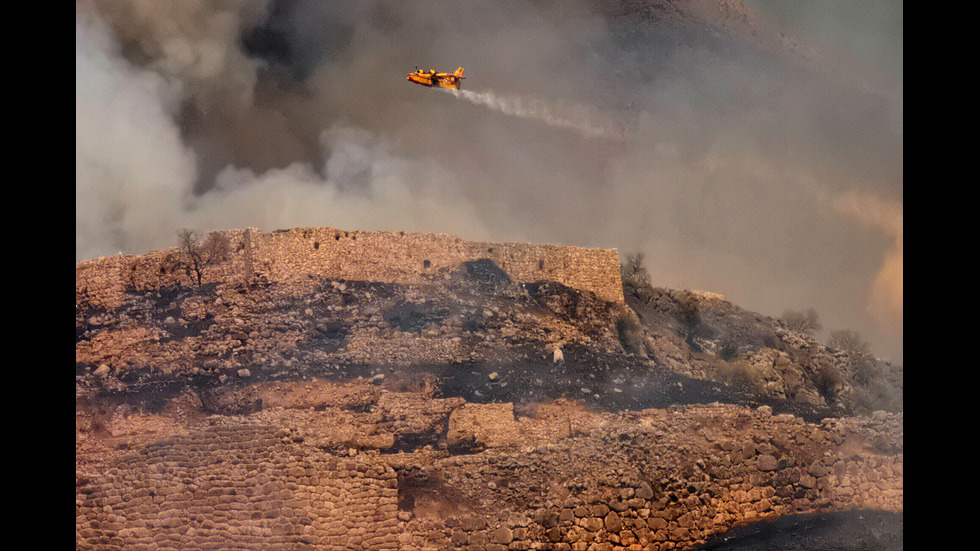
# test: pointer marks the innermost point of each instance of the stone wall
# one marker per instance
(560, 479)
(237, 487)
(396, 257)
(639, 483)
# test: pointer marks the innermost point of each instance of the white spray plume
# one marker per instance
(580, 118)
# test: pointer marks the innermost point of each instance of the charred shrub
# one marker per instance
(729, 350)
(629, 329)
(636, 279)
(828, 380)
(736, 340)
(630, 334)
(634, 273)
(692, 324)
(864, 369)
(690, 318)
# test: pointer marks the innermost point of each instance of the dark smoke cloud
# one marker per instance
(746, 166)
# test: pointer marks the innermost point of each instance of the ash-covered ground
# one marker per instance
(471, 333)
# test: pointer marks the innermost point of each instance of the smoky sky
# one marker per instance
(757, 153)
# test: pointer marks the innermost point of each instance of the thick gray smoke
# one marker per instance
(738, 160)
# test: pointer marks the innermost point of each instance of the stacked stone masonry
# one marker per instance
(237, 487)
(708, 482)
(642, 481)
(395, 257)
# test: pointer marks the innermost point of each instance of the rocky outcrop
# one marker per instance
(704, 336)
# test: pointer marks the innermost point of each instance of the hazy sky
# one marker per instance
(775, 182)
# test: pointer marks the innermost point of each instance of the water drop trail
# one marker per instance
(580, 118)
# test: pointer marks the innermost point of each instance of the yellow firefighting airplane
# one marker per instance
(432, 78)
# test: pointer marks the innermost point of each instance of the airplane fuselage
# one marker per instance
(432, 78)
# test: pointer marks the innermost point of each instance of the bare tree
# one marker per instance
(633, 271)
(802, 322)
(201, 253)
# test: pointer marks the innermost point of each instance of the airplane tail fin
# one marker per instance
(459, 72)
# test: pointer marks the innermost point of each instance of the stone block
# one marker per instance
(766, 463)
(502, 535)
(482, 425)
(612, 522)
(644, 491)
(592, 524)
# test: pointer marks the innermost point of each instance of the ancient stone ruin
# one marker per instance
(323, 389)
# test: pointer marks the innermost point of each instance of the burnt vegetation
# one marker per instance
(735, 347)
(663, 347)
(413, 317)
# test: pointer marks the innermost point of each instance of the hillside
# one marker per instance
(704, 336)
(449, 382)
(461, 323)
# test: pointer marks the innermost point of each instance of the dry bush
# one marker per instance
(802, 322)
(740, 374)
(848, 341)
